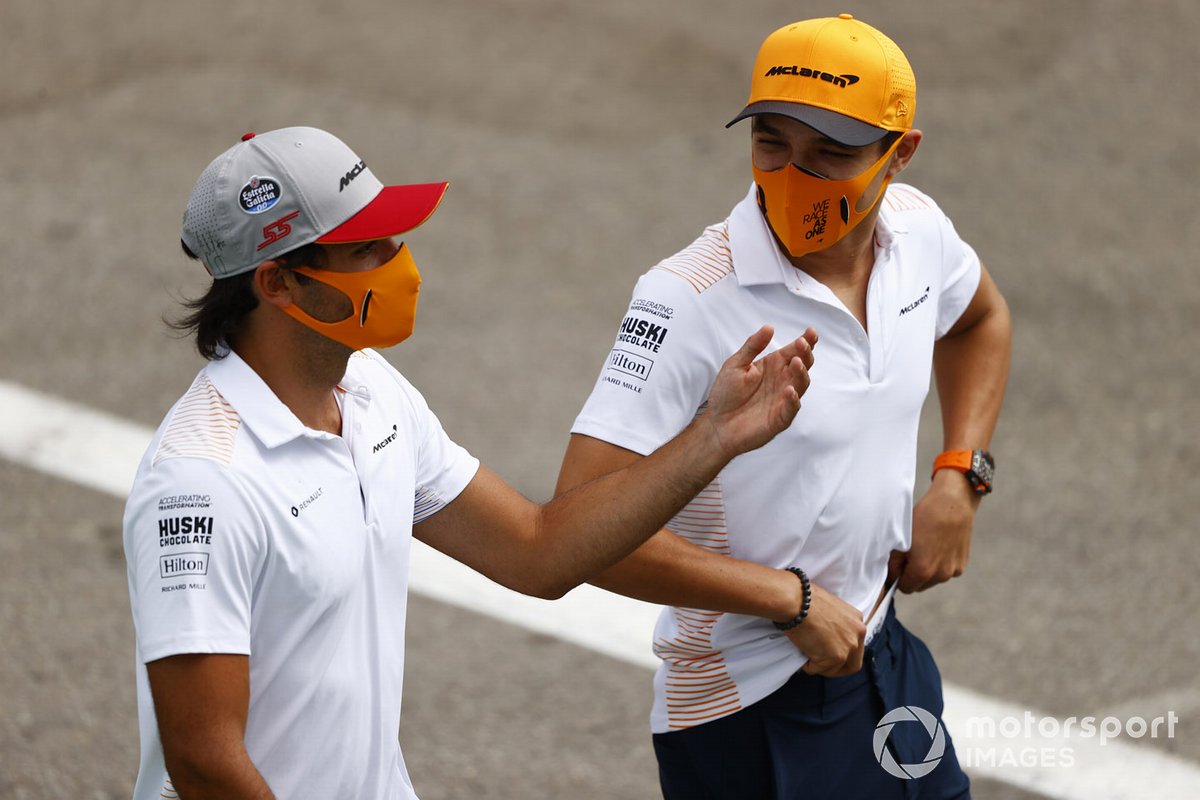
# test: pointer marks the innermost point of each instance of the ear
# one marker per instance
(274, 285)
(905, 150)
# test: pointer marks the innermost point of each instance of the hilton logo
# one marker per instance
(631, 364)
(183, 564)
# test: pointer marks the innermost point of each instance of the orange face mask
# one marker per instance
(384, 298)
(810, 213)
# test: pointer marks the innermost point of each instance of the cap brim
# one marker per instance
(839, 127)
(394, 210)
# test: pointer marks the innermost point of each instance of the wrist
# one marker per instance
(805, 601)
(954, 483)
(786, 597)
(977, 467)
(710, 450)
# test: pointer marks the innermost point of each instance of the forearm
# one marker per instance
(548, 550)
(597, 523)
(201, 701)
(971, 369)
(233, 776)
(213, 763)
(671, 571)
(971, 364)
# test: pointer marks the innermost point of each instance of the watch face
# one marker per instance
(983, 468)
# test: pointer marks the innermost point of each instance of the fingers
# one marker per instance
(834, 668)
(835, 643)
(800, 378)
(912, 578)
(917, 575)
(752, 347)
(801, 348)
(896, 565)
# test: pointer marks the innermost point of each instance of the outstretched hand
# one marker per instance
(751, 401)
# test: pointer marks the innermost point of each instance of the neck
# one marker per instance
(300, 366)
(845, 268)
(846, 264)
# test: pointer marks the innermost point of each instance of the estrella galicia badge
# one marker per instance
(259, 194)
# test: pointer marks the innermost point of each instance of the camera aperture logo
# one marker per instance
(904, 715)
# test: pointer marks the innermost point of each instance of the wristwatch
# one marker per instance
(977, 465)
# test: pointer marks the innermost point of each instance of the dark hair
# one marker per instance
(890, 139)
(217, 316)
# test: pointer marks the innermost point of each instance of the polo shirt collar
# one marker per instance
(757, 259)
(272, 422)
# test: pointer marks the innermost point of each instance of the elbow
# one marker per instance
(188, 778)
(544, 587)
(554, 592)
(543, 569)
(537, 575)
(222, 770)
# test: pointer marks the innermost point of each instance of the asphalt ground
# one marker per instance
(584, 142)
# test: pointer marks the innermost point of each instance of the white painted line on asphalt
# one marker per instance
(1013, 744)
(1184, 701)
(100, 451)
(70, 441)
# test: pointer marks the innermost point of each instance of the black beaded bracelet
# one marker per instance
(796, 620)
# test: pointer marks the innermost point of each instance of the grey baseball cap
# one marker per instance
(274, 192)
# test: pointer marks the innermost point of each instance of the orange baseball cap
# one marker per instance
(836, 74)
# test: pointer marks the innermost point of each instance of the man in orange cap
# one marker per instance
(785, 672)
(269, 526)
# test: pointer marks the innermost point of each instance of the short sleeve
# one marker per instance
(659, 371)
(960, 276)
(194, 549)
(443, 467)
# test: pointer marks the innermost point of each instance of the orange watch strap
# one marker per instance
(953, 459)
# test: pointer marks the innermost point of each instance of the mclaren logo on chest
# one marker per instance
(386, 441)
(914, 304)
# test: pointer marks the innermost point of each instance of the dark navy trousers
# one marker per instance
(814, 737)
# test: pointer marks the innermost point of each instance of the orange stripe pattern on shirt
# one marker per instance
(698, 685)
(703, 262)
(204, 425)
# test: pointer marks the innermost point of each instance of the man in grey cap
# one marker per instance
(782, 656)
(269, 527)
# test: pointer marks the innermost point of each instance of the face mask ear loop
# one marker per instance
(327, 328)
(881, 165)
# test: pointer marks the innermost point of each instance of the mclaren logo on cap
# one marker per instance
(259, 194)
(352, 174)
(808, 72)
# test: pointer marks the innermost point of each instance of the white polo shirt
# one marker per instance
(833, 493)
(247, 532)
